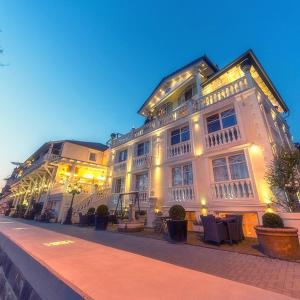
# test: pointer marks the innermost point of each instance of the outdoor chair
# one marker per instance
(91, 219)
(239, 219)
(214, 231)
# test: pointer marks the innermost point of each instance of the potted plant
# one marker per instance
(101, 218)
(276, 240)
(177, 225)
(283, 176)
(91, 216)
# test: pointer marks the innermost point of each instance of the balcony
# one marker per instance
(186, 109)
(222, 137)
(49, 157)
(181, 193)
(141, 162)
(120, 167)
(232, 190)
(179, 150)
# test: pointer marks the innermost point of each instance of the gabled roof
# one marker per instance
(185, 67)
(249, 54)
(92, 145)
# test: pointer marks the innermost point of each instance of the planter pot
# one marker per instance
(101, 223)
(279, 242)
(291, 220)
(177, 230)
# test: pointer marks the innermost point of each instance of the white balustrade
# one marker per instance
(223, 137)
(120, 167)
(224, 92)
(180, 149)
(230, 190)
(143, 196)
(141, 162)
(181, 193)
(189, 107)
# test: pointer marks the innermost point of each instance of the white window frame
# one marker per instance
(181, 166)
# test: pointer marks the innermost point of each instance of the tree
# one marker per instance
(283, 176)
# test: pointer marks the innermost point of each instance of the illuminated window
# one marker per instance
(221, 120)
(230, 168)
(180, 135)
(93, 156)
(182, 175)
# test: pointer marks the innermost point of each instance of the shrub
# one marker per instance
(91, 211)
(271, 220)
(177, 212)
(102, 211)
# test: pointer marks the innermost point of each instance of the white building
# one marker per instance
(209, 135)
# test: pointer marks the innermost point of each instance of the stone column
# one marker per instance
(245, 67)
(197, 76)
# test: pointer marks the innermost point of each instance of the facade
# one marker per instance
(208, 136)
(44, 177)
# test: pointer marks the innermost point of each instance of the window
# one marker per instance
(119, 185)
(180, 135)
(142, 148)
(187, 94)
(182, 175)
(165, 109)
(122, 156)
(92, 157)
(221, 120)
(141, 182)
(230, 168)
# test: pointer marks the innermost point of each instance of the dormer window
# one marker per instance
(187, 94)
(221, 120)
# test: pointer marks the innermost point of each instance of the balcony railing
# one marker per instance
(231, 190)
(141, 162)
(222, 137)
(143, 196)
(186, 109)
(120, 167)
(181, 193)
(49, 157)
(180, 149)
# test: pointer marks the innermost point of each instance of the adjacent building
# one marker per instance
(44, 177)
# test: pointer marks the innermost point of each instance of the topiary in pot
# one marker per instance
(177, 226)
(101, 219)
(276, 240)
(271, 220)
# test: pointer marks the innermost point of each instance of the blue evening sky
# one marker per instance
(81, 69)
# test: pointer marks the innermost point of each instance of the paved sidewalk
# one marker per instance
(115, 266)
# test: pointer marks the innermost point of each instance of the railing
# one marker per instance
(143, 196)
(230, 190)
(223, 137)
(120, 167)
(181, 193)
(49, 157)
(141, 162)
(224, 92)
(186, 109)
(179, 149)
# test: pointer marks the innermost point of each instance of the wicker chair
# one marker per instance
(213, 231)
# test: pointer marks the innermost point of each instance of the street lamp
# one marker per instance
(72, 188)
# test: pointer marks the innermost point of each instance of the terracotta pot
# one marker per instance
(279, 242)
(291, 220)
